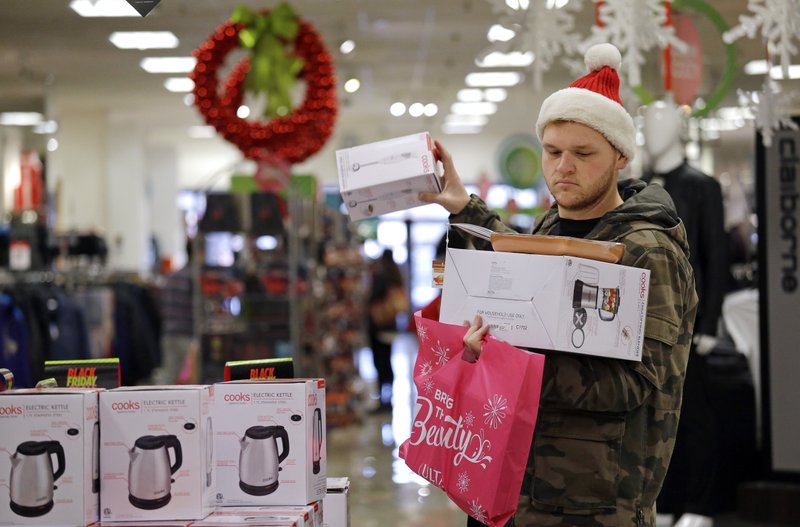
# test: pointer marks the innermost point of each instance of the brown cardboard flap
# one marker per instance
(611, 252)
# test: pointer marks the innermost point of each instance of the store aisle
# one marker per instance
(383, 491)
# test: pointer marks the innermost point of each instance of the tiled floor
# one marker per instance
(383, 491)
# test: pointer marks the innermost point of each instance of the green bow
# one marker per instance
(273, 68)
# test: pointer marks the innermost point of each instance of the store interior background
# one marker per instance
(125, 161)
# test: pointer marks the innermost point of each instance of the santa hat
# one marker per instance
(594, 100)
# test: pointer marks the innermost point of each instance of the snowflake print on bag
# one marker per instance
(495, 410)
(476, 511)
(463, 482)
(422, 333)
(441, 354)
(426, 368)
(469, 419)
(428, 386)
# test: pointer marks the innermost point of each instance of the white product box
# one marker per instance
(49, 470)
(156, 453)
(270, 442)
(387, 176)
(311, 514)
(337, 513)
(138, 523)
(549, 302)
(250, 521)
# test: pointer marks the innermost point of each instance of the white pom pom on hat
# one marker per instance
(593, 100)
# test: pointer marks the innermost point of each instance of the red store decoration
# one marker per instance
(293, 137)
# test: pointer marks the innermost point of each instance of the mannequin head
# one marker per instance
(663, 127)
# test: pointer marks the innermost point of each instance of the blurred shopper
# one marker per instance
(387, 300)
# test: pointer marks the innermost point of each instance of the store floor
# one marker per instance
(383, 491)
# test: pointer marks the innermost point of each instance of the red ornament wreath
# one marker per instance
(293, 137)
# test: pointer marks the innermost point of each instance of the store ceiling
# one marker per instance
(409, 50)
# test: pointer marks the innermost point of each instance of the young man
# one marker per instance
(606, 427)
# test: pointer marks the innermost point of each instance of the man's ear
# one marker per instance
(622, 161)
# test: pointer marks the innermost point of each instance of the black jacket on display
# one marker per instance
(698, 200)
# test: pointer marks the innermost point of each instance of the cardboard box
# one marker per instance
(337, 513)
(156, 453)
(549, 302)
(387, 176)
(250, 521)
(311, 514)
(49, 473)
(270, 442)
(139, 523)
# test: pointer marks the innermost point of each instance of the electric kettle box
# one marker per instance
(269, 442)
(249, 521)
(50, 438)
(386, 176)
(337, 512)
(156, 453)
(308, 515)
(548, 302)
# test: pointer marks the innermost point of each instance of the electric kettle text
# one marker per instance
(32, 477)
(259, 461)
(150, 472)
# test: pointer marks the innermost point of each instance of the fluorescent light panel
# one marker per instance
(168, 64)
(498, 33)
(493, 79)
(759, 67)
(473, 108)
(144, 39)
(21, 118)
(179, 84)
(94, 8)
(498, 59)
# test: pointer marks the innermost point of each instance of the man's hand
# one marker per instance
(473, 340)
(454, 196)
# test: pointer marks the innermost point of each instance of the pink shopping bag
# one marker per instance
(474, 422)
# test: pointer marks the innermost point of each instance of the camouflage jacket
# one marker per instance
(606, 428)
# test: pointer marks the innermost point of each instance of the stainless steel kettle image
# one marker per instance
(32, 477)
(317, 435)
(150, 472)
(96, 457)
(259, 460)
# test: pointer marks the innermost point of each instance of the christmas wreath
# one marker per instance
(284, 48)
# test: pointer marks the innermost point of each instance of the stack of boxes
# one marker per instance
(234, 453)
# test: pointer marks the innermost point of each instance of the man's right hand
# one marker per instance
(453, 197)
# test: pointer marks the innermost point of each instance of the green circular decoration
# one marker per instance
(728, 75)
(519, 161)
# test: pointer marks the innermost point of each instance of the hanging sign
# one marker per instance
(687, 67)
(260, 369)
(143, 7)
(92, 373)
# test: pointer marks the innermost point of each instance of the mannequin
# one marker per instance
(689, 485)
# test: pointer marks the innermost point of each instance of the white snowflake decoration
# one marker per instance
(441, 354)
(422, 333)
(546, 28)
(770, 109)
(476, 511)
(428, 386)
(779, 21)
(469, 419)
(425, 368)
(462, 483)
(495, 411)
(635, 27)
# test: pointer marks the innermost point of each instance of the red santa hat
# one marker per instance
(593, 100)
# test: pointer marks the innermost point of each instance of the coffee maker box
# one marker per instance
(386, 176)
(156, 453)
(269, 440)
(50, 438)
(560, 303)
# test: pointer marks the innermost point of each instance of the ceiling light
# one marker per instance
(347, 47)
(179, 84)
(556, 4)
(144, 39)
(202, 132)
(397, 109)
(756, 67)
(472, 120)
(45, 127)
(759, 67)
(188, 99)
(518, 4)
(492, 79)
(416, 109)
(470, 95)
(430, 110)
(495, 94)
(352, 85)
(473, 108)
(90, 8)
(52, 144)
(498, 33)
(460, 129)
(498, 59)
(168, 64)
(20, 118)
(243, 112)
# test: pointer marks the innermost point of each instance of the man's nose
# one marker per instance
(566, 164)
